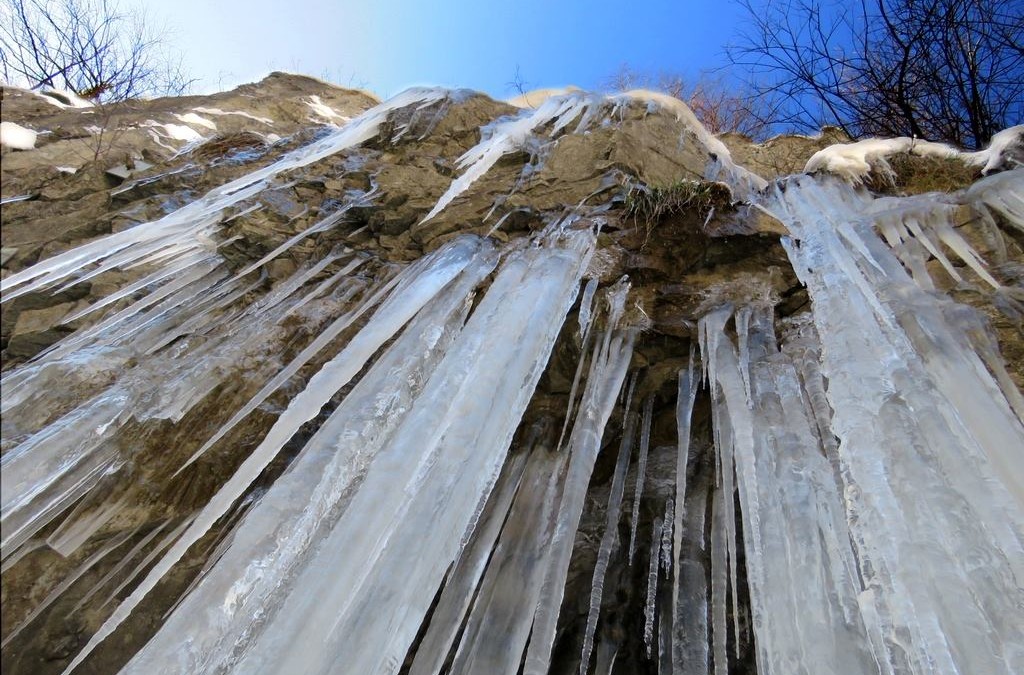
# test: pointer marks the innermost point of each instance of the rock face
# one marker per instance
(300, 381)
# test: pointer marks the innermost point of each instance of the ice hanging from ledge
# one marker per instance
(929, 447)
(188, 230)
(800, 565)
(429, 469)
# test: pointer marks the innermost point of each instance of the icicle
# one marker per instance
(1002, 192)
(918, 516)
(690, 655)
(447, 618)
(326, 284)
(742, 334)
(127, 558)
(163, 273)
(499, 624)
(437, 464)
(324, 338)
(171, 538)
(652, 584)
(408, 293)
(641, 473)
(439, 270)
(300, 506)
(205, 273)
(584, 349)
(686, 397)
(19, 553)
(321, 226)
(108, 547)
(319, 627)
(586, 305)
(610, 537)
(952, 239)
(665, 555)
(606, 378)
(48, 473)
(732, 435)
(192, 221)
(719, 575)
(508, 135)
(81, 524)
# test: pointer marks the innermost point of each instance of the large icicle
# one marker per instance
(436, 272)
(190, 226)
(607, 373)
(800, 566)
(280, 530)
(435, 470)
(641, 473)
(551, 274)
(458, 591)
(610, 537)
(921, 518)
(499, 623)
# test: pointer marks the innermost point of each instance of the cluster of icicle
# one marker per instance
(875, 455)
(874, 448)
(191, 325)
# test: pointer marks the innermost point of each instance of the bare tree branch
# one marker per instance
(91, 47)
(949, 70)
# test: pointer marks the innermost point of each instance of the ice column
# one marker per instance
(929, 448)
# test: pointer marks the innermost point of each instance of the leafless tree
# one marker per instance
(517, 83)
(719, 107)
(948, 70)
(91, 47)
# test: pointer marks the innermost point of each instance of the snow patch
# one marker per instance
(177, 132)
(324, 110)
(194, 119)
(16, 136)
(854, 161)
(60, 98)
(738, 178)
(998, 148)
(219, 112)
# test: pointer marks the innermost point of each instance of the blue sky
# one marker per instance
(387, 45)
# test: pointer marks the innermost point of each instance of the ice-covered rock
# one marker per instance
(443, 387)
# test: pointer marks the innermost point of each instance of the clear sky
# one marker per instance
(387, 45)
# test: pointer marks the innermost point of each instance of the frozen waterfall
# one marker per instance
(486, 459)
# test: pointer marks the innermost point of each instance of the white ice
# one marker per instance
(17, 137)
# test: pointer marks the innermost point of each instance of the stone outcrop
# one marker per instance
(100, 172)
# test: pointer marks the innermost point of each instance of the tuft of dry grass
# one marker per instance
(649, 205)
(913, 175)
(223, 145)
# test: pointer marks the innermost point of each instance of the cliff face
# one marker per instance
(299, 381)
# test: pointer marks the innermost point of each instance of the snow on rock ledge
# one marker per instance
(16, 136)
(855, 161)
